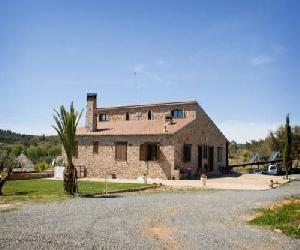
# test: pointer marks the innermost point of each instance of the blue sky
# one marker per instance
(238, 59)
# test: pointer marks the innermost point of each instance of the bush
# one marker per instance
(41, 166)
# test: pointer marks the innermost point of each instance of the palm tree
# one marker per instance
(66, 124)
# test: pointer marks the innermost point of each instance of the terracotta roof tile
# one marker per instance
(136, 127)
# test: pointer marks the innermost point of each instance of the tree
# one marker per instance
(296, 144)
(233, 149)
(66, 124)
(7, 163)
(287, 160)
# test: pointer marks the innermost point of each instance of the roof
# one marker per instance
(275, 155)
(148, 105)
(255, 158)
(25, 163)
(136, 127)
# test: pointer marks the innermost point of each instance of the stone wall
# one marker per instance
(158, 112)
(91, 113)
(98, 165)
(199, 132)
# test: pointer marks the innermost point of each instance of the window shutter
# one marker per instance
(121, 151)
(143, 152)
(184, 154)
(124, 151)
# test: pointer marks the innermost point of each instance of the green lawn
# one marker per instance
(285, 217)
(45, 190)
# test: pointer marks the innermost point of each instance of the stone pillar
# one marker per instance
(91, 112)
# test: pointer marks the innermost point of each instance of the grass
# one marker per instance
(285, 216)
(47, 190)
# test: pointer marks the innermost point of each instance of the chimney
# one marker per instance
(91, 112)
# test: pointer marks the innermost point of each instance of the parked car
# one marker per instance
(255, 171)
(272, 170)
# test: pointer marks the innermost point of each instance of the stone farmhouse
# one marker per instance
(172, 140)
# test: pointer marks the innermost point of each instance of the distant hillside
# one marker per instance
(36, 148)
(9, 137)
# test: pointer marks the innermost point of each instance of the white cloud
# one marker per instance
(261, 59)
(242, 131)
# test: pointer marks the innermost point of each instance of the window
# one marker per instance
(75, 150)
(127, 116)
(219, 154)
(121, 151)
(187, 152)
(95, 147)
(177, 113)
(103, 117)
(150, 115)
(205, 151)
(149, 152)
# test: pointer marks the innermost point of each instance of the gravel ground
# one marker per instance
(190, 220)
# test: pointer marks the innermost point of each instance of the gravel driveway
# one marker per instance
(189, 220)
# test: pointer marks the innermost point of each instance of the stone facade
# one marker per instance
(199, 132)
(98, 164)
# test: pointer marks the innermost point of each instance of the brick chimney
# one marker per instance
(91, 112)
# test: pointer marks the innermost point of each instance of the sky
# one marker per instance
(238, 59)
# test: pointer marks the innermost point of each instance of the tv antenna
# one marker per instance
(135, 72)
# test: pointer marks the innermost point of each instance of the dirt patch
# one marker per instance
(162, 233)
(296, 222)
(249, 217)
(8, 207)
(285, 202)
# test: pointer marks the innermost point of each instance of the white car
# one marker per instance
(274, 170)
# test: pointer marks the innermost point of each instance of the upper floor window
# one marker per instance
(150, 115)
(103, 117)
(127, 116)
(139, 115)
(177, 113)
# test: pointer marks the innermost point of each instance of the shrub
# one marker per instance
(41, 166)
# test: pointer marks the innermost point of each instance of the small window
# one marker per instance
(75, 150)
(149, 152)
(150, 115)
(103, 117)
(121, 151)
(219, 154)
(187, 152)
(95, 147)
(127, 116)
(205, 151)
(139, 115)
(177, 113)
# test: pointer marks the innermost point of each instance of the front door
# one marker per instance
(199, 160)
(210, 159)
